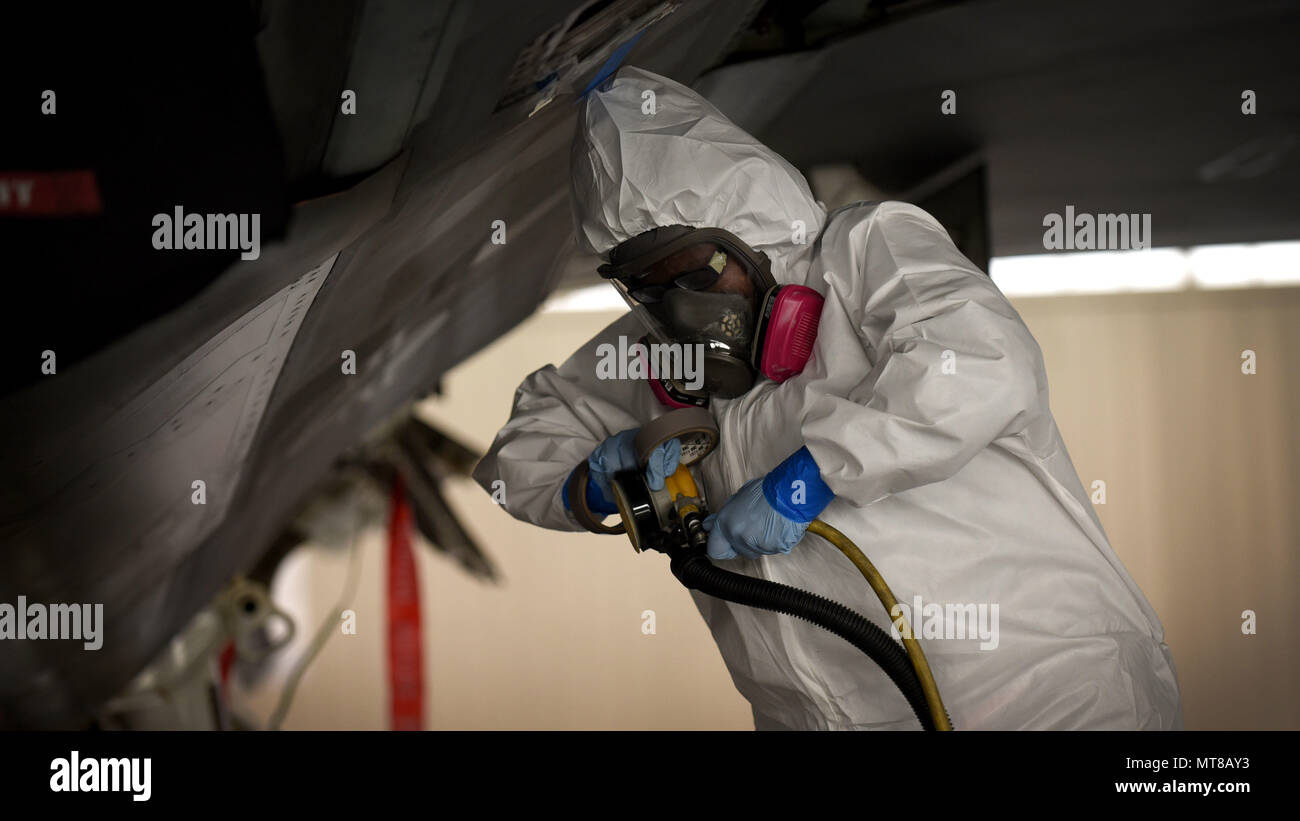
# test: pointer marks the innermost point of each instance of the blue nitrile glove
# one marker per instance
(769, 515)
(615, 454)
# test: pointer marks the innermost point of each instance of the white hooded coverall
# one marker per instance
(925, 406)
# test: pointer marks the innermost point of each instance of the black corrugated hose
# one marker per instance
(694, 570)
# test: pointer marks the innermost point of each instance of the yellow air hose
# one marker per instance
(886, 596)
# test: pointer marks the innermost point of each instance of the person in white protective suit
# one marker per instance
(924, 410)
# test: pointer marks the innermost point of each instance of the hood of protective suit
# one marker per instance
(652, 152)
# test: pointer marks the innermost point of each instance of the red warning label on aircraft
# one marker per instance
(49, 193)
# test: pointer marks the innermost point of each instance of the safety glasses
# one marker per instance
(698, 279)
(632, 259)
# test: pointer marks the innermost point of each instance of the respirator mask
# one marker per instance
(703, 290)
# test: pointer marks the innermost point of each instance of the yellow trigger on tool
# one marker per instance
(681, 483)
